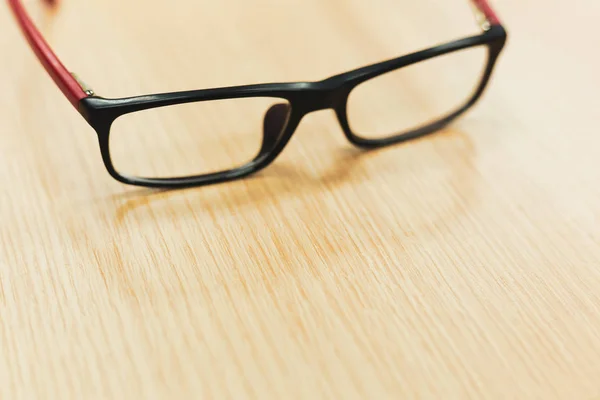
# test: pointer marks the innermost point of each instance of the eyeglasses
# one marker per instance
(228, 133)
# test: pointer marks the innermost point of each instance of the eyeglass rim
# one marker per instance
(303, 97)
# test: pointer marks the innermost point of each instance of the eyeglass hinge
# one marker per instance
(88, 90)
(480, 17)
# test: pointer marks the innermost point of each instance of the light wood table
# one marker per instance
(463, 265)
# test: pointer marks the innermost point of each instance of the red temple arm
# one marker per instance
(487, 11)
(61, 76)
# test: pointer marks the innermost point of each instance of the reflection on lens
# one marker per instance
(189, 139)
(417, 95)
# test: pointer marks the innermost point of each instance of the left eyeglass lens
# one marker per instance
(417, 95)
(194, 139)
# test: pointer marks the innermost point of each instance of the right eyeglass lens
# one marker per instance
(417, 95)
(193, 139)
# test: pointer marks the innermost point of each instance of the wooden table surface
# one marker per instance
(463, 265)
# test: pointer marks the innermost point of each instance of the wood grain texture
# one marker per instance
(464, 265)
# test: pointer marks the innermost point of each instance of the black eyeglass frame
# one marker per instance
(303, 98)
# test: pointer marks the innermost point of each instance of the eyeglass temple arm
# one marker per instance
(68, 84)
(486, 15)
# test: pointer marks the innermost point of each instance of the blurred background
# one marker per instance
(461, 265)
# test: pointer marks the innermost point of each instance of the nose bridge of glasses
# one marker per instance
(319, 97)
